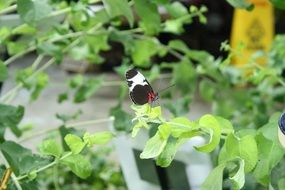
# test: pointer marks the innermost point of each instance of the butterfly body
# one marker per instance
(140, 90)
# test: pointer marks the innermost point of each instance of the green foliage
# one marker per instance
(75, 143)
(10, 117)
(32, 12)
(21, 159)
(79, 165)
(97, 138)
(51, 147)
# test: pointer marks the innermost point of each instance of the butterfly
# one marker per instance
(140, 90)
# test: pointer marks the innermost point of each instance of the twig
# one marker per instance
(45, 167)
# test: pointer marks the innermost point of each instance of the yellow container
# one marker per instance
(255, 29)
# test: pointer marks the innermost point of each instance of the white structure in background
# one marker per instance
(143, 176)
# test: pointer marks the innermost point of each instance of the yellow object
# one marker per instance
(254, 29)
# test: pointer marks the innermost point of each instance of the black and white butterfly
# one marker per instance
(140, 90)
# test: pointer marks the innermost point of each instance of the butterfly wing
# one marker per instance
(139, 87)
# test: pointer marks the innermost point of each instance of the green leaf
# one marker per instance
(20, 159)
(206, 89)
(178, 45)
(280, 4)
(41, 81)
(245, 148)
(174, 26)
(76, 81)
(122, 120)
(164, 130)
(75, 143)
(33, 11)
(97, 138)
(214, 181)
(16, 47)
(119, 7)
(143, 50)
(226, 125)
(51, 147)
(242, 4)
(87, 89)
(149, 15)
(3, 72)
(238, 179)
(79, 165)
(47, 48)
(10, 117)
(153, 147)
(270, 152)
(210, 123)
(176, 9)
(185, 77)
(140, 124)
(168, 153)
(181, 125)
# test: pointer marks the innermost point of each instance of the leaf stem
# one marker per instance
(8, 9)
(19, 178)
(14, 178)
(75, 124)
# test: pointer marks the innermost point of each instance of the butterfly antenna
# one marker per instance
(166, 88)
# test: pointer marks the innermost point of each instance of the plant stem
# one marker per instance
(45, 167)
(14, 179)
(55, 177)
(76, 124)
(8, 9)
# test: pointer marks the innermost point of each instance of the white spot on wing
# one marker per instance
(138, 79)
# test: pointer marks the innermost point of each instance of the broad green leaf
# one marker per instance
(168, 153)
(122, 120)
(174, 26)
(155, 112)
(140, 124)
(214, 181)
(75, 143)
(79, 165)
(149, 15)
(4, 34)
(76, 81)
(206, 90)
(164, 130)
(270, 152)
(46, 48)
(280, 4)
(181, 125)
(33, 11)
(184, 77)
(119, 7)
(210, 123)
(176, 9)
(16, 47)
(153, 147)
(242, 4)
(41, 81)
(244, 147)
(87, 89)
(10, 117)
(226, 125)
(178, 45)
(238, 179)
(143, 50)
(51, 147)
(21, 159)
(97, 138)
(3, 72)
